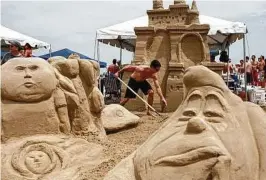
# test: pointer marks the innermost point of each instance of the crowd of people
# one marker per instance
(255, 70)
(16, 50)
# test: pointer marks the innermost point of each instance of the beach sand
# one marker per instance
(122, 144)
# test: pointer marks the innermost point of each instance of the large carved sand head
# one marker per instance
(204, 136)
(28, 80)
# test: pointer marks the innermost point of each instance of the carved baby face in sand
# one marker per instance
(37, 161)
(28, 80)
(202, 141)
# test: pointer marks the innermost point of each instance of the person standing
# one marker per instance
(113, 68)
(14, 51)
(138, 80)
(248, 71)
(254, 64)
(27, 50)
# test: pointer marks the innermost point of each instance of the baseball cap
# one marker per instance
(15, 43)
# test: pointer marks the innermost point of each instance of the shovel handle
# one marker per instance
(139, 96)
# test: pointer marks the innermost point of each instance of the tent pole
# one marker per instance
(50, 50)
(120, 53)
(95, 46)
(98, 51)
(228, 67)
(245, 71)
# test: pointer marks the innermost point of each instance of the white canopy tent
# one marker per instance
(222, 33)
(9, 35)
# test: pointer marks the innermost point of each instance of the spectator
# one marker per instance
(113, 68)
(241, 68)
(248, 71)
(254, 64)
(261, 65)
(213, 58)
(27, 50)
(14, 51)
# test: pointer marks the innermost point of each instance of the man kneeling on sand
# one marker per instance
(138, 80)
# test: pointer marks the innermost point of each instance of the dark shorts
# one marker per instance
(135, 86)
(249, 78)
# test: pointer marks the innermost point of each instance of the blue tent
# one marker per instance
(67, 52)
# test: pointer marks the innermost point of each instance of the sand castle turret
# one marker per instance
(157, 4)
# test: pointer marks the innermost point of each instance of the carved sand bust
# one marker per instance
(212, 135)
(27, 80)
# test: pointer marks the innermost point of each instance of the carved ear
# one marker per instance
(257, 119)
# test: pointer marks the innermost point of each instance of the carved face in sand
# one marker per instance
(204, 139)
(37, 161)
(28, 80)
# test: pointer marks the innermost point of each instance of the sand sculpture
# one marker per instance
(62, 98)
(86, 116)
(50, 157)
(42, 106)
(116, 117)
(176, 38)
(212, 135)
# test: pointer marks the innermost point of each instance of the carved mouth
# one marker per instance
(191, 156)
(28, 84)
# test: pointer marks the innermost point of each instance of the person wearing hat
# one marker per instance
(14, 52)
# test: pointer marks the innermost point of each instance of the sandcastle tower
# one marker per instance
(175, 37)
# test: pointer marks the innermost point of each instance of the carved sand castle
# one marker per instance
(43, 106)
(176, 38)
(213, 135)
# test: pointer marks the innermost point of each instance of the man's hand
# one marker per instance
(164, 104)
(164, 101)
(116, 75)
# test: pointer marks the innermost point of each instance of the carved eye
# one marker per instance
(20, 68)
(212, 114)
(33, 68)
(189, 113)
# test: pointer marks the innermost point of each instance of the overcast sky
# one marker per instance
(73, 24)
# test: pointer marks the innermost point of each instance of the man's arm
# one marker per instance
(128, 68)
(158, 87)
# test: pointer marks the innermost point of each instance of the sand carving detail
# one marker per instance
(212, 135)
(41, 101)
(49, 157)
(35, 160)
(61, 97)
(116, 117)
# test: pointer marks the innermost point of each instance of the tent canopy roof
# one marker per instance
(11, 35)
(221, 32)
(67, 52)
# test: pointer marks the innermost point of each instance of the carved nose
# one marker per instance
(196, 125)
(27, 74)
(36, 160)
